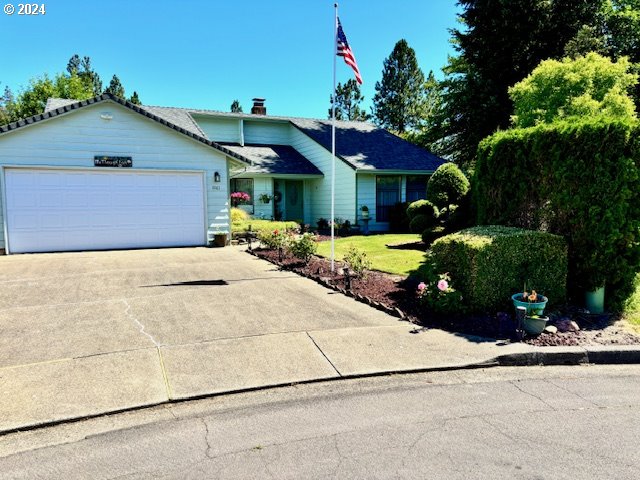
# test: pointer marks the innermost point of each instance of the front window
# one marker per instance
(417, 187)
(387, 195)
(239, 186)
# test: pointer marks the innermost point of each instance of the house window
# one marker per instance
(243, 185)
(387, 195)
(417, 187)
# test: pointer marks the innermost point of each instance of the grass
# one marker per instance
(390, 260)
(632, 308)
(261, 225)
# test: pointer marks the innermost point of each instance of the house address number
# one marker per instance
(104, 161)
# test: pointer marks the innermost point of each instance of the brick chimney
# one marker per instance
(258, 107)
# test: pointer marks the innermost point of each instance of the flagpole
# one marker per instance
(333, 137)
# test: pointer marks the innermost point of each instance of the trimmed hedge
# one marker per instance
(447, 185)
(577, 179)
(422, 207)
(421, 222)
(489, 264)
(431, 234)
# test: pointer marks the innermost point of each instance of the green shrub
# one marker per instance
(447, 185)
(263, 226)
(357, 261)
(303, 247)
(422, 222)
(398, 219)
(238, 215)
(275, 239)
(491, 263)
(459, 217)
(421, 207)
(437, 295)
(578, 179)
(430, 235)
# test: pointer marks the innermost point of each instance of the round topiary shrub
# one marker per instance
(447, 185)
(421, 207)
(421, 222)
(430, 235)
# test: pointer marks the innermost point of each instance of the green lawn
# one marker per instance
(391, 260)
(632, 308)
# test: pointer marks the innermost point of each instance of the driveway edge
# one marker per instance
(595, 355)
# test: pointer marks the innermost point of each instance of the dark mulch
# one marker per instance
(400, 293)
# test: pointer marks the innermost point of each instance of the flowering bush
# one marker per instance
(238, 198)
(275, 240)
(438, 296)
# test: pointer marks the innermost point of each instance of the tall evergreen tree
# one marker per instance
(399, 100)
(434, 121)
(7, 105)
(236, 107)
(115, 87)
(84, 70)
(348, 100)
(499, 44)
(135, 99)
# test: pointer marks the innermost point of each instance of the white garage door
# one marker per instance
(57, 210)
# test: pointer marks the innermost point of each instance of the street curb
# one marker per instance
(597, 355)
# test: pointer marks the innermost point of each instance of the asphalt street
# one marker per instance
(522, 423)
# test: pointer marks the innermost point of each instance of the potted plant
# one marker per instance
(533, 302)
(365, 212)
(239, 198)
(265, 197)
(535, 324)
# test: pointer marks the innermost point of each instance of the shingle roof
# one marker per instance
(275, 159)
(361, 145)
(367, 147)
(62, 106)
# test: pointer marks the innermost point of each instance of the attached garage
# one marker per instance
(106, 174)
(52, 210)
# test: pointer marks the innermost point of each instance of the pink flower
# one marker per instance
(421, 286)
(443, 285)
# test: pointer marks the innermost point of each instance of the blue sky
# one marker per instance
(204, 54)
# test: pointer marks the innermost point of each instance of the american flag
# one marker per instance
(344, 50)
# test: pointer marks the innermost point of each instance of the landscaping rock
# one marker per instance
(567, 325)
(551, 329)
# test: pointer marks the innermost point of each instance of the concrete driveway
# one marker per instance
(68, 305)
(95, 332)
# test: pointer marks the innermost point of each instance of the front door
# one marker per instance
(293, 193)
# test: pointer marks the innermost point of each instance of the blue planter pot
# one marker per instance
(535, 325)
(533, 308)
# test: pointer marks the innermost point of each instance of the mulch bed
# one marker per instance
(397, 296)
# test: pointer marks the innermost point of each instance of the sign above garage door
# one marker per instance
(104, 161)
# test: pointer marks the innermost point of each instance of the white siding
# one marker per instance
(320, 189)
(267, 133)
(262, 185)
(72, 140)
(219, 129)
(367, 196)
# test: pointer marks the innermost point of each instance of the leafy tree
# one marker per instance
(399, 100)
(82, 68)
(236, 107)
(587, 86)
(431, 132)
(499, 43)
(135, 99)
(7, 105)
(348, 100)
(115, 87)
